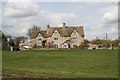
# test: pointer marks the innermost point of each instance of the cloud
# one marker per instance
(101, 29)
(20, 16)
(20, 9)
(111, 16)
(63, 0)
(108, 24)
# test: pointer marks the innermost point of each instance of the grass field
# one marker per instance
(61, 63)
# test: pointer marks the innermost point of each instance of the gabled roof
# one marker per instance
(63, 31)
(35, 33)
(67, 42)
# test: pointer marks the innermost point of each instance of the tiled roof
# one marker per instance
(63, 31)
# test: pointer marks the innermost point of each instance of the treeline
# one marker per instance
(8, 40)
(101, 43)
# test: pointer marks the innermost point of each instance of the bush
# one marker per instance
(82, 45)
(35, 46)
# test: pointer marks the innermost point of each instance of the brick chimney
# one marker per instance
(48, 26)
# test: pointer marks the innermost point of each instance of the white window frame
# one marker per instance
(39, 38)
(74, 45)
(39, 45)
(74, 31)
(55, 32)
(65, 46)
(55, 38)
(74, 38)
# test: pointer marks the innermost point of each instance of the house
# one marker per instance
(93, 46)
(58, 37)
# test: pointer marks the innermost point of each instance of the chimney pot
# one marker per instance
(64, 24)
(48, 26)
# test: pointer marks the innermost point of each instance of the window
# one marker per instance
(39, 39)
(75, 46)
(74, 31)
(56, 38)
(65, 46)
(39, 46)
(74, 38)
(55, 32)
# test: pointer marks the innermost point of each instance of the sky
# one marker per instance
(98, 18)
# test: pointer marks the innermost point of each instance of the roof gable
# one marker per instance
(51, 30)
(34, 34)
(63, 31)
(55, 33)
(39, 35)
(74, 32)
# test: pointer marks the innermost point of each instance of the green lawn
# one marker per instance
(61, 63)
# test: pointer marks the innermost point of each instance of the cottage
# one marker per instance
(93, 46)
(59, 37)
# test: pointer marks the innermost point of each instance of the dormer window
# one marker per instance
(74, 31)
(55, 32)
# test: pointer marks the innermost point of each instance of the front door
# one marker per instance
(68, 45)
(56, 46)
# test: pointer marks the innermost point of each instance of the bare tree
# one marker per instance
(34, 28)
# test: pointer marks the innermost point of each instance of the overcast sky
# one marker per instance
(98, 18)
